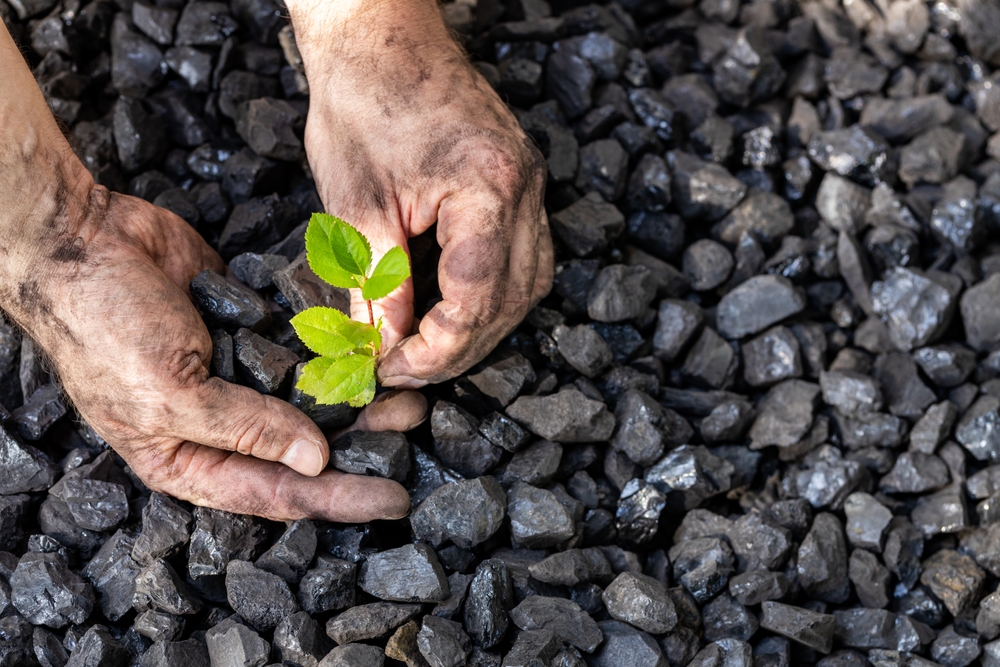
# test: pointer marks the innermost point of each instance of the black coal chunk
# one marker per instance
(385, 454)
(45, 592)
(263, 365)
(465, 512)
(205, 24)
(228, 304)
(261, 598)
(408, 574)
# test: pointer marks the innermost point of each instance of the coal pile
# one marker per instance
(756, 423)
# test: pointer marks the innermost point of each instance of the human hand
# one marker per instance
(108, 305)
(403, 132)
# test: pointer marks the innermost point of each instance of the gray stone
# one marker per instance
(677, 324)
(850, 392)
(905, 393)
(381, 453)
(489, 600)
(567, 416)
(785, 415)
(573, 567)
(112, 572)
(262, 365)
(802, 625)
(505, 379)
(915, 472)
(640, 601)
(703, 566)
(228, 304)
(953, 578)
(842, 204)
(620, 292)
(289, 557)
(23, 468)
(564, 617)
(97, 648)
(329, 586)
(979, 429)
(159, 626)
(299, 640)
(537, 517)
(755, 586)
(583, 348)
(870, 578)
(771, 357)
(946, 365)
(261, 598)
(867, 521)
(757, 304)
(822, 561)
(354, 655)
(706, 264)
(166, 528)
(410, 573)
(934, 427)
(711, 362)
(370, 621)
(220, 537)
(916, 309)
(46, 592)
(690, 474)
(980, 319)
(158, 587)
(940, 513)
(645, 428)
(532, 647)
(637, 517)
(443, 643)
(535, 465)
(588, 225)
(466, 512)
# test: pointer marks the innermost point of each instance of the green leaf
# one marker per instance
(311, 380)
(320, 254)
(390, 272)
(348, 379)
(331, 333)
(351, 249)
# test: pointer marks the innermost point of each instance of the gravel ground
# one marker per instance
(755, 423)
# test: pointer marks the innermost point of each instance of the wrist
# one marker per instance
(355, 45)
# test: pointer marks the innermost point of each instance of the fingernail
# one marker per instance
(403, 382)
(304, 457)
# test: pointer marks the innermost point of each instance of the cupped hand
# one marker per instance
(403, 132)
(106, 299)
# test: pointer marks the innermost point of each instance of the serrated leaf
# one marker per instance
(331, 333)
(311, 380)
(390, 272)
(348, 380)
(351, 249)
(320, 255)
(365, 396)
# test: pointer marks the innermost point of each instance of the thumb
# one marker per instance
(238, 419)
(396, 309)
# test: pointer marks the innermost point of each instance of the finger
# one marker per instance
(246, 485)
(396, 309)
(392, 411)
(486, 274)
(545, 273)
(232, 418)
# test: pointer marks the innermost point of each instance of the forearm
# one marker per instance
(41, 180)
(355, 45)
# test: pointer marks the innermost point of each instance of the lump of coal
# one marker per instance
(567, 416)
(465, 512)
(757, 304)
(411, 573)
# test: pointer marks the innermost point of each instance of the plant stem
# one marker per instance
(371, 315)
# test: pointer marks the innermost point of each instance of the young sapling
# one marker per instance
(344, 371)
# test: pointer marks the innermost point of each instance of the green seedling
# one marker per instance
(344, 371)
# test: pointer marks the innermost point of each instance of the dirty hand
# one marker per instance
(99, 281)
(403, 132)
